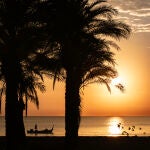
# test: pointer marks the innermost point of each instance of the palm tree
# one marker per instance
(26, 90)
(28, 83)
(80, 28)
(20, 36)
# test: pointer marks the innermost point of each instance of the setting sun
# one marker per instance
(116, 81)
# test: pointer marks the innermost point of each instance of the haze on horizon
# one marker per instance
(133, 65)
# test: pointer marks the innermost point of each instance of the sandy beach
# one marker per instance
(84, 143)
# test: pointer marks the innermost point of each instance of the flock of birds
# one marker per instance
(130, 128)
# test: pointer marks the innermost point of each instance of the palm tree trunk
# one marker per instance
(14, 129)
(72, 106)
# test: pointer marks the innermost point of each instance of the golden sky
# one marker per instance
(133, 65)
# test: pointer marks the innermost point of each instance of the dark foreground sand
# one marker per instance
(84, 143)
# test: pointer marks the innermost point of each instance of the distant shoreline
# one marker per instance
(84, 143)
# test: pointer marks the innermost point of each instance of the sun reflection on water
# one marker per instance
(114, 126)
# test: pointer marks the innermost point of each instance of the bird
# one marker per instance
(144, 132)
(132, 129)
(125, 132)
(119, 124)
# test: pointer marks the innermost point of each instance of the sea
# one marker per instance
(89, 126)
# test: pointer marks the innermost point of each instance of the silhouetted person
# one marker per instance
(35, 127)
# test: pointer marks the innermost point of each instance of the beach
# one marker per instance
(84, 143)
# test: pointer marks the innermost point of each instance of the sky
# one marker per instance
(133, 65)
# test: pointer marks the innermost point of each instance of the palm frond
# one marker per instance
(93, 4)
(120, 87)
(102, 11)
(104, 81)
(99, 73)
(113, 29)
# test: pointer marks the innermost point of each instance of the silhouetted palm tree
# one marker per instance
(19, 39)
(80, 28)
(28, 83)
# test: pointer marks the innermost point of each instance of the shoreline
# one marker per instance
(83, 143)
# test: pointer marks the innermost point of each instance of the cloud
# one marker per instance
(140, 14)
(131, 4)
(142, 27)
(134, 12)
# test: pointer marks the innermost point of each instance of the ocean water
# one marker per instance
(90, 126)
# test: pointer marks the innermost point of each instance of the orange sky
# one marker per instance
(133, 65)
(134, 72)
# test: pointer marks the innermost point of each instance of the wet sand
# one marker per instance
(84, 143)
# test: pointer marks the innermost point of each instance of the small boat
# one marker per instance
(45, 131)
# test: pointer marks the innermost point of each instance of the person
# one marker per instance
(35, 127)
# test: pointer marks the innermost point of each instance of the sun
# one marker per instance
(116, 81)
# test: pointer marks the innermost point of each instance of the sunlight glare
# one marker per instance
(114, 126)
